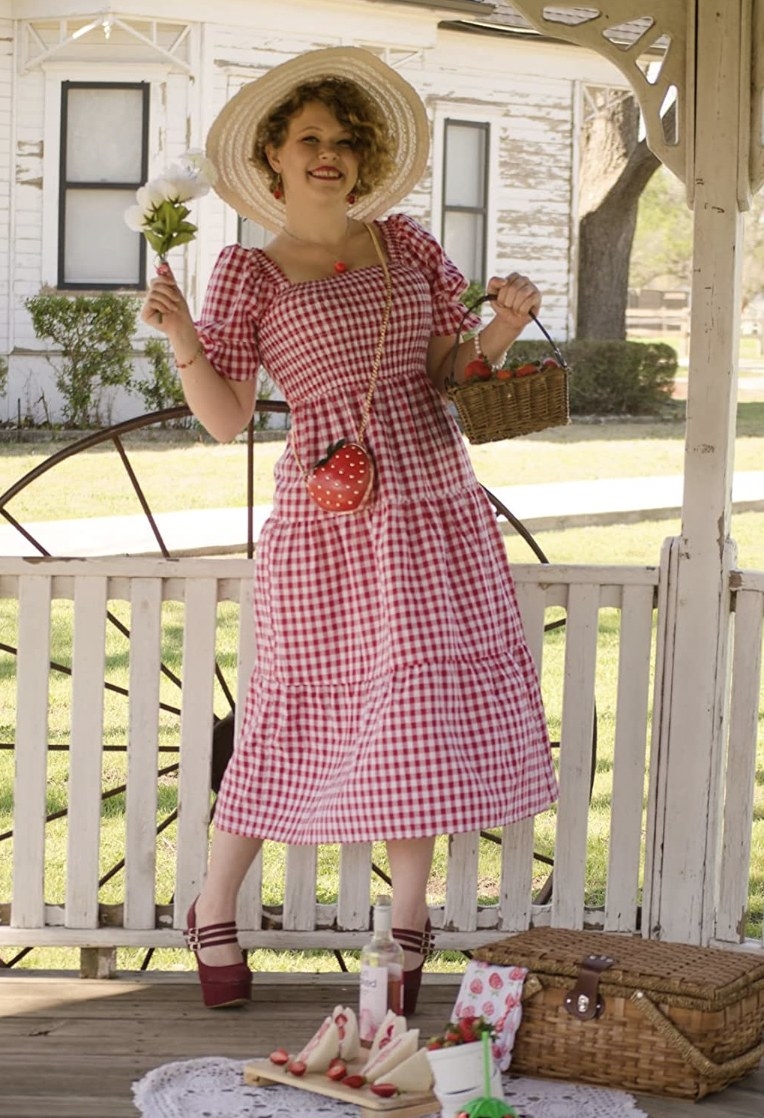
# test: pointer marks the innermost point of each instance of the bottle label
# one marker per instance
(380, 991)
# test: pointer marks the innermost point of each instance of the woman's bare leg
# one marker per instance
(410, 864)
(230, 858)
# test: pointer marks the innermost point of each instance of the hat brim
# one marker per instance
(231, 139)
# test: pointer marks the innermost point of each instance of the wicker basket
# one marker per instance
(498, 408)
(674, 1020)
(490, 410)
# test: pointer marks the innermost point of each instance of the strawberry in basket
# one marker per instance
(478, 370)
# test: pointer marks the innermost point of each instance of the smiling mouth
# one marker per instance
(326, 173)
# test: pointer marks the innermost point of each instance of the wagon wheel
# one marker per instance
(222, 740)
(224, 725)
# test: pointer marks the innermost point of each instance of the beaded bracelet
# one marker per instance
(482, 357)
(197, 353)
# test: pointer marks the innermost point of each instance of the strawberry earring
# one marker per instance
(350, 199)
(277, 192)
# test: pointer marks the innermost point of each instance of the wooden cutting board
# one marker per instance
(407, 1105)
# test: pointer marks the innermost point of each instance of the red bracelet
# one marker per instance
(184, 364)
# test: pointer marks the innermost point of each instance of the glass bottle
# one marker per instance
(381, 973)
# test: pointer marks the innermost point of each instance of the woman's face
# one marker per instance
(317, 159)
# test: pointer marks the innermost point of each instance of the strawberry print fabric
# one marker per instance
(393, 695)
(495, 993)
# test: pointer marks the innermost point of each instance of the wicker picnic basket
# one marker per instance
(639, 1015)
(490, 410)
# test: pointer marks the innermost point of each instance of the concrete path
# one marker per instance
(219, 531)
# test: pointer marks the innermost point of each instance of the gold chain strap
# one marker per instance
(382, 334)
(366, 411)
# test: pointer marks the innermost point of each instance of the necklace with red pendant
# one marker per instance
(338, 267)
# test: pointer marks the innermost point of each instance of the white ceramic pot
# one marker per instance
(458, 1075)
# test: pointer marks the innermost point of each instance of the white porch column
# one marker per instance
(688, 740)
(710, 69)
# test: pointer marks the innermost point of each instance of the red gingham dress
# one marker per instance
(393, 695)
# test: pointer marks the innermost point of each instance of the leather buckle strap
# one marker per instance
(584, 1001)
(421, 942)
(212, 935)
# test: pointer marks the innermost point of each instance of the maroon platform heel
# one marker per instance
(422, 943)
(221, 986)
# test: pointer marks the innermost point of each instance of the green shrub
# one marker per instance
(93, 334)
(162, 388)
(611, 377)
(472, 293)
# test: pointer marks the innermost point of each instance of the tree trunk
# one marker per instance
(616, 168)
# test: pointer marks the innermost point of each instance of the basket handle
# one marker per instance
(451, 379)
(738, 1065)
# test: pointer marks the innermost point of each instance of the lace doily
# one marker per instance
(213, 1088)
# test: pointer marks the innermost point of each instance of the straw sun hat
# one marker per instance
(231, 138)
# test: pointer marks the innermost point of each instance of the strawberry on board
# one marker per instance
(384, 1090)
(354, 1080)
(297, 1067)
(279, 1056)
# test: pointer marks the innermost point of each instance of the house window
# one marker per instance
(104, 159)
(465, 196)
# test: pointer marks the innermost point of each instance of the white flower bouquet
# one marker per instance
(160, 211)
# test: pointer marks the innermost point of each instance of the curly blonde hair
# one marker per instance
(354, 110)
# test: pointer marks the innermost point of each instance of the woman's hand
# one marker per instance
(164, 307)
(517, 298)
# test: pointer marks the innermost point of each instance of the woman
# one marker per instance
(393, 696)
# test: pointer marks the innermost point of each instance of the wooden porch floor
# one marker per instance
(71, 1048)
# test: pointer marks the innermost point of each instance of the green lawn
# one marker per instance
(195, 473)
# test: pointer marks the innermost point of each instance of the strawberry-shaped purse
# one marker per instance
(343, 480)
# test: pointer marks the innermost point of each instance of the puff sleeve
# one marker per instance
(420, 249)
(227, 327)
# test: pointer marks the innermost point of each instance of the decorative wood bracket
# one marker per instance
(652, 43)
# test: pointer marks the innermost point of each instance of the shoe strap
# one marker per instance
(421, 942)
(211, 935)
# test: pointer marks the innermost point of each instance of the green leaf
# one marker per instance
(180, 239)
(168, 215)
(156, 241)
